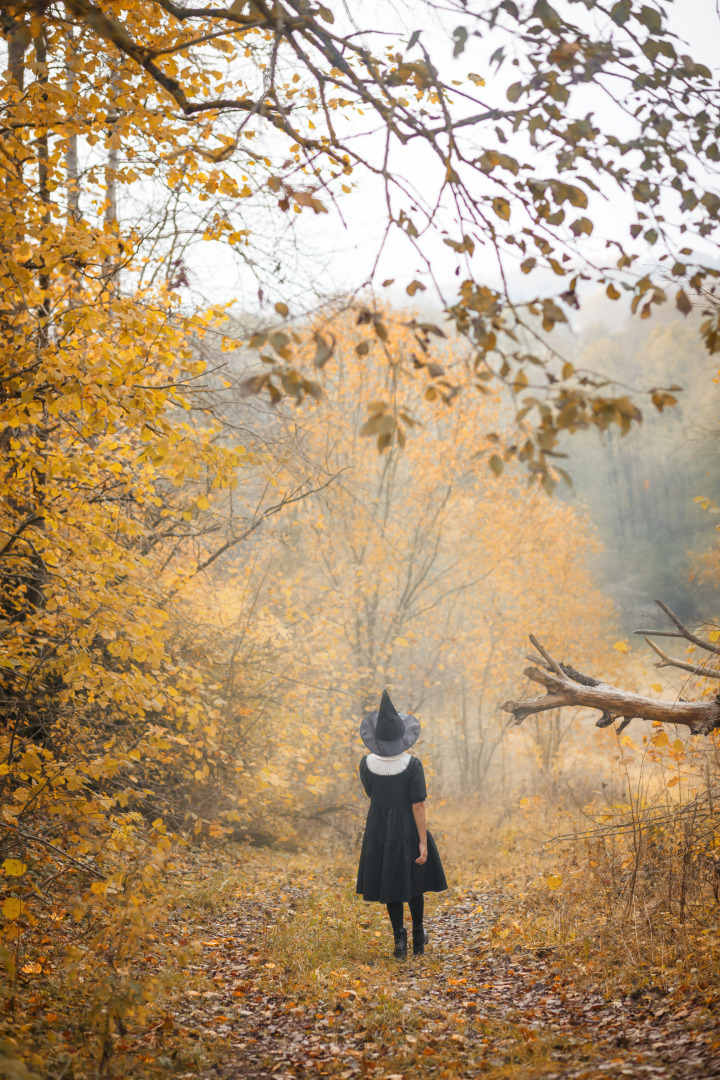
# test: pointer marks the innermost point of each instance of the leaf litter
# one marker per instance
(299, 981)
(256, 975)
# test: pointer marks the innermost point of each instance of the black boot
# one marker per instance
(420, 940)
(401, 945)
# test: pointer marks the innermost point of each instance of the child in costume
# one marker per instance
(399, 861)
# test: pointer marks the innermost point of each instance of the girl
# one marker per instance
(399, 861)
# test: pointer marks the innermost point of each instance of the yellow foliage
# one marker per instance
(12, 907)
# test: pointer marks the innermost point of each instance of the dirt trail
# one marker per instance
(463, 1010)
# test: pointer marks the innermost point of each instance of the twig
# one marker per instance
(671, 661)
(546, 656)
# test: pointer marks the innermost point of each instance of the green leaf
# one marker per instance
(547, 15)
(461, 35)
(279, 340)
(313, 389)
(620, 13)
(651, 18)
(379, 424)
(549, 483)
(496, 464)
(323, 350)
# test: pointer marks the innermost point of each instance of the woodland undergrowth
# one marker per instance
(626, 912)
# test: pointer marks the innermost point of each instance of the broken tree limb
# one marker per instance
(701, 717)
(567, 687)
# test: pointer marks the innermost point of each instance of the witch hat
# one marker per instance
(387, 732)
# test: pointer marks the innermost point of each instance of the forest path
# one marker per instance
(280, 988)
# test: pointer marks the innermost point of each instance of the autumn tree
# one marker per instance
(418, 569)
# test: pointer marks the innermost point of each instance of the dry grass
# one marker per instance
(632, 910)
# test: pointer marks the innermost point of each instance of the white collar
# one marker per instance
(388, 766)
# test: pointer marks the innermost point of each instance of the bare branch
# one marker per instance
(546, 656)
(707, 645)
(671, 661)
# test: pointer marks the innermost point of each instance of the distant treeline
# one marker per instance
(641, 488)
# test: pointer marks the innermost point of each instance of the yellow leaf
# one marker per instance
(99, 888)
(202, 503)
(675, 780)
(621, 646)
(501, 207)
(554, 881)
(656, 687)
(401, 641)
(12, 907)
(628, 741)
(14, 868)
(660, 739)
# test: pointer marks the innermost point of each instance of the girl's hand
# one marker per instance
(423, 854)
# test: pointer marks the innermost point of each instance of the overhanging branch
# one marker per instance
(570, 688)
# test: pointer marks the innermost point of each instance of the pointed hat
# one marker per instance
(386, 732)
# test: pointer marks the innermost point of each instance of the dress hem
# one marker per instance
(398, 899)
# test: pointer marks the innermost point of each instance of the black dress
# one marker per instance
(388, 871)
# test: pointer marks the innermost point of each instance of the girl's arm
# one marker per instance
(419, 815)
(365, 778)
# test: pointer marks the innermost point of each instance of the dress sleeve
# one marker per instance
(418, 791)
(365, 777)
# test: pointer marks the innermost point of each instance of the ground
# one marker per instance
(267, 965)
(293, 981)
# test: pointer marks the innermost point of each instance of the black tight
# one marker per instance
(395, 911)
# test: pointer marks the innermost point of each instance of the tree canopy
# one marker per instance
(222, 108)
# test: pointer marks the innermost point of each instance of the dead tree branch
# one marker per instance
(571, 688)
(680, 630)
(673, 661)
